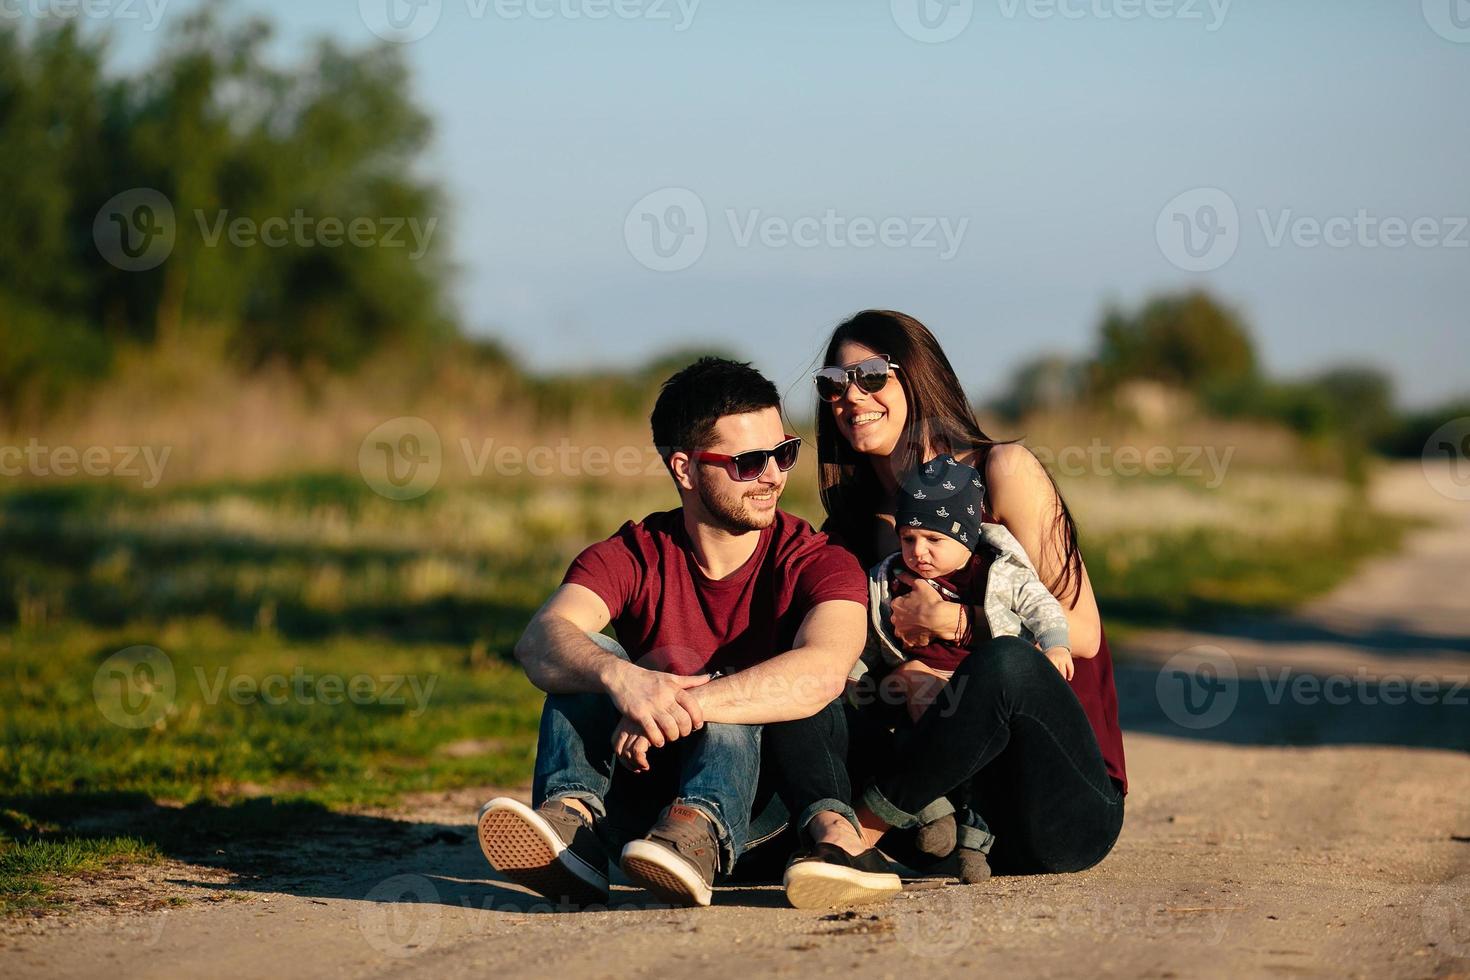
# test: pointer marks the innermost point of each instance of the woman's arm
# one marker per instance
(1022, 498)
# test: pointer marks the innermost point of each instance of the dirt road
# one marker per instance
(1300, 805)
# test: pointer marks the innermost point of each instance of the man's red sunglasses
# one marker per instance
(749, 465)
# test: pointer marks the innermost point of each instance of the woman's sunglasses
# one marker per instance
(749, 465)
(869, 374)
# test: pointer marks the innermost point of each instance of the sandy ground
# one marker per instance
(1300, 804)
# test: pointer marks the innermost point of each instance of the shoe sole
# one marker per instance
(665, 873)
(521, 845)
(817, 885)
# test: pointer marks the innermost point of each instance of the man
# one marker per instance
(741, 624)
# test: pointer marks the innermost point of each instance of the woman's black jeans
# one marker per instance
(1008, 726)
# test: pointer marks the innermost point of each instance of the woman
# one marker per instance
(1040, 758)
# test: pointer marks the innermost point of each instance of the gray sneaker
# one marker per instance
(552, 850)
(678, 859)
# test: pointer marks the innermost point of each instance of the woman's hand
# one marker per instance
(923, 614)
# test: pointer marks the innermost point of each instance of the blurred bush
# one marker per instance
(222, 133)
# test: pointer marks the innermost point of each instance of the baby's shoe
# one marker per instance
(973, 841)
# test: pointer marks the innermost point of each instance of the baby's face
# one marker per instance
(930, 554)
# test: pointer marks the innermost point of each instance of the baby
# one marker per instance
(977, 564)
(945, 542)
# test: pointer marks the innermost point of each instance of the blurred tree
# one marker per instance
(1045, 383)
(1188, 340)
(294, 156)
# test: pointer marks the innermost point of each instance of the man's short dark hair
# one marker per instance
(693, 400)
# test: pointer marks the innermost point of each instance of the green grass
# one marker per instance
(1193, 576)
(28, 867)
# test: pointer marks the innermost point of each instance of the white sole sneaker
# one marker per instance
(818, 885)
(520, 844)
(665, 873)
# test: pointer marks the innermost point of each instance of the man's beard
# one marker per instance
(731, 515)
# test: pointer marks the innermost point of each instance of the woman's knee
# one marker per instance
(1004, 663)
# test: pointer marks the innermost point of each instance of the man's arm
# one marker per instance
(555, 650)
(797, 683)
(559, 658)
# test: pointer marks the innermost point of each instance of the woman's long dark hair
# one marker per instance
(939, 419)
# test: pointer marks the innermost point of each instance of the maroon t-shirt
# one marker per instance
(670, 616)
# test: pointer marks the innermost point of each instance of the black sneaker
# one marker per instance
(826, 875)
(678, 858)
(552, 850)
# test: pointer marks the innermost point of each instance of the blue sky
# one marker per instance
(1048, 136)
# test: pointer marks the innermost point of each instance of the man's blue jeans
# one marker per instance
(713, 770)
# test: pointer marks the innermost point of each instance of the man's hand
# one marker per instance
(630, 747)
(659, 706)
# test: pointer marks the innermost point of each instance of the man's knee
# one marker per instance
(721, 736)
(581, 707)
